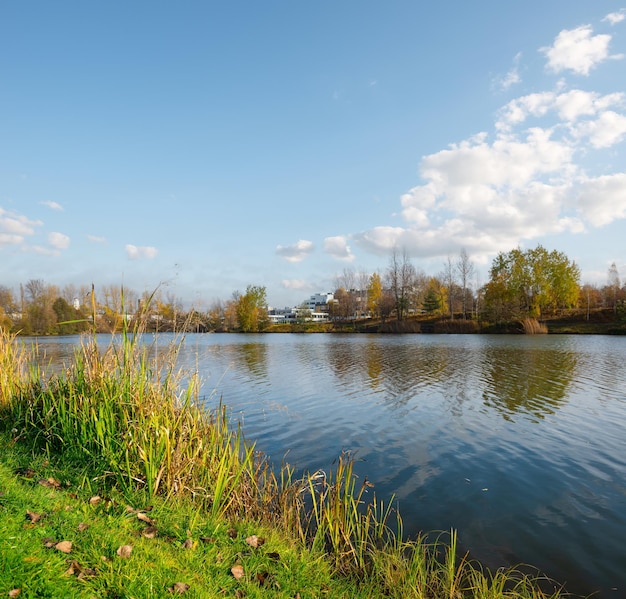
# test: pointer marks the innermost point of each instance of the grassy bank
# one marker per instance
(115, 483)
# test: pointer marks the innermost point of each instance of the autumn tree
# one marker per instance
(40, 317)
(375, 294)
(530, 283)
(448, 278)
(251, 309)
(7, 300)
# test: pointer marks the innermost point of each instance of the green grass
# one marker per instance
(120, 427)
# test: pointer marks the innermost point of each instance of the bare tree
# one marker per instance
(465, 270)
(448, 278)
(613, 285)
(401, 277)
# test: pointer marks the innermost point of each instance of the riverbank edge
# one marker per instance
(47, 442)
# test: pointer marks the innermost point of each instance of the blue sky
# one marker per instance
(207, 146)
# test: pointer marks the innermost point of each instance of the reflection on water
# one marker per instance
(533, 381)
(517, 442)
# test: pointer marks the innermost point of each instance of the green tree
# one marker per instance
(434, 297)
(41, 318)
(531, 283)
(69, 320)
(251, 310)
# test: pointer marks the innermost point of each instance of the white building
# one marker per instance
(319, 299)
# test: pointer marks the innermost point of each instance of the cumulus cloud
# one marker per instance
(58, 241)
(615, 17)
(524, 181)
(603, 199)
(52, 205)
(607, 130)
(338, 248)
(295, 252)
(578, 50)
(136, 253)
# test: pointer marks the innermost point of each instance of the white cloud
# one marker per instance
(603, 199)
(297, 284)
(578, 50)
(607, 130)
(580, 113)
(615, 17)
(52, 205)
(295, 252)
(10, 239)
(135, 253)
(489, 194)
(96, 239)
(17, 224)
(58, 241)
(43, 251)
(512, 77)
(338, 248)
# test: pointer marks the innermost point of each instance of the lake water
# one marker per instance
(517, 442)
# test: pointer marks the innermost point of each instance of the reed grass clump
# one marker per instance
(130, 423)
(531, 326)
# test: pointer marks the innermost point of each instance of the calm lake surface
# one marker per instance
(517, 442)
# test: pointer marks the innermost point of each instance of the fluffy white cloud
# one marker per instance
(16, 224)
(607, 130)
(569, 107)
(615, 17)
(578, 50)
(295, 252)
(486, 195)
(603, 199)
(58, 241)
(135, 253)
(52, 205)
(338, 248)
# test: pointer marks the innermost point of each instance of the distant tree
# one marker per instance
(41, 318)
(252, 310)
(465, 272)
(434, 300)
(70, 321)
(341, 308)
(613, 286)
(303, 313)
(590, 298)
(375, 294)
(400, 275)
(346, 284)
(7, 300)
(530, 283)
(448, 278)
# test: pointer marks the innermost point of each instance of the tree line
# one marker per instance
(534, 283)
